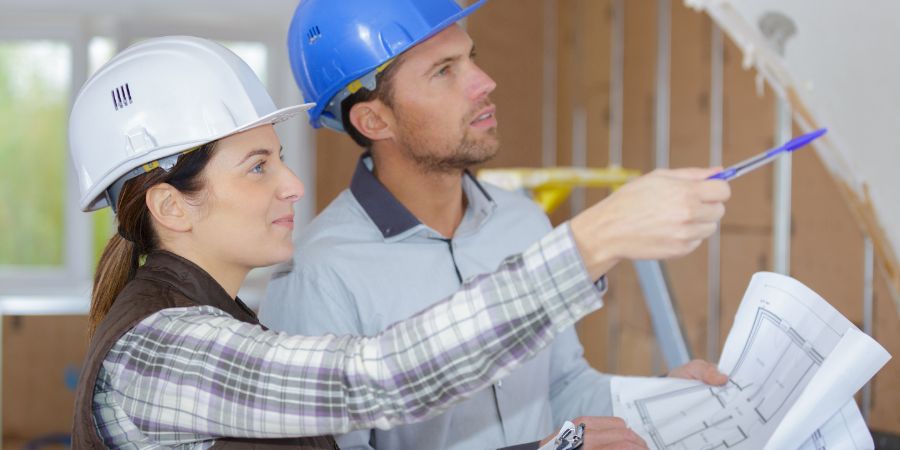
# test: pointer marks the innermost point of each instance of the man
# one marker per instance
(400, 79)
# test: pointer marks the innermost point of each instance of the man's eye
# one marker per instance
(259, 168)
(444, 71)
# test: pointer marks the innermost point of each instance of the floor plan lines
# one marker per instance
(793, 364)
(774, 365)
(679, 428)
(775, 362)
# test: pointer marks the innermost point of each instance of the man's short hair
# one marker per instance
(384, 91)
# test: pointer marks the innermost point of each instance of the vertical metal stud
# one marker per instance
(781, 205)
(778, 29)
(868, 312)
(716, 94)
(663, 69)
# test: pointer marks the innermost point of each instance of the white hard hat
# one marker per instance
(159, 98)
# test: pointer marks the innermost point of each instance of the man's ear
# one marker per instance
(373, 119)
(168, 208)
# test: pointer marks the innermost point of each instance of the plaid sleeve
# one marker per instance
(192, 374)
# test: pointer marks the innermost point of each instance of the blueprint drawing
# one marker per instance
(784, 388)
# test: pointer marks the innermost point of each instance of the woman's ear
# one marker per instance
(373, 119)
(167, 206)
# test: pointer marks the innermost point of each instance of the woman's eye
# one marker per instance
(259, 168)
(444, 71)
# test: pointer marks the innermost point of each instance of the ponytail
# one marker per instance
(116, 268)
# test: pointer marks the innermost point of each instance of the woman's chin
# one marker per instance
(283, 254)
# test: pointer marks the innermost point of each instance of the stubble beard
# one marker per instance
(453, 157)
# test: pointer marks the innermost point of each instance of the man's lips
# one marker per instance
(485, 118)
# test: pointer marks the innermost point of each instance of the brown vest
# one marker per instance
(165, 281)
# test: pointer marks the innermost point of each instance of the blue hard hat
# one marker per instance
(334, 44)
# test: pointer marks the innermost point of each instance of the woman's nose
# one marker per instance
(293, 188)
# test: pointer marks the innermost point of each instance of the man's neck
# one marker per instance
(435, 198)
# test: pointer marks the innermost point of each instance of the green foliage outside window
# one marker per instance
(35, 94)
(34, 100)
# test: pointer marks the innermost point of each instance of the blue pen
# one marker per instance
(763, 158)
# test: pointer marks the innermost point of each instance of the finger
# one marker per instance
(713, 376)
(600, 423)
(713, 191)
(692, 173)
(701, 370)
(693, 370)
(607, 437)
(695, 233)
(708, 212)
(615, 446)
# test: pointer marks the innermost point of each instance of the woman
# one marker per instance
(176, 135)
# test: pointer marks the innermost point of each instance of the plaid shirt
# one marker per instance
(185, 376)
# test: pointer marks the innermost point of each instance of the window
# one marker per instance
(254, 53)
(35, 86)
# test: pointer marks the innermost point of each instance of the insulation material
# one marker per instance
(832, 60)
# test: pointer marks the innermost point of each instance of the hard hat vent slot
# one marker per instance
(121, 96)
(313, 34)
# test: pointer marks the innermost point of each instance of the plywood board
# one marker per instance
(885, 413)
(41, 359)
(689, 147)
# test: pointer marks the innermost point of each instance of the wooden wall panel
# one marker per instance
(689, 147)
(743, 254)
(637, 351)
(748, 121)
(41, 359)
(336, 157)
(885, 413)
(748, 129)
(826, 244)
(508, 35)
(593, 20)
(569, 83)
(640, 64)
(596, 21)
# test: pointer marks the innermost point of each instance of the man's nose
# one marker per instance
(481, 84)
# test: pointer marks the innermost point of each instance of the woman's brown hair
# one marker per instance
(136, 237)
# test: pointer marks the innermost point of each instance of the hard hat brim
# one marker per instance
(450, 21)
(272, 118)
(94, 199)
